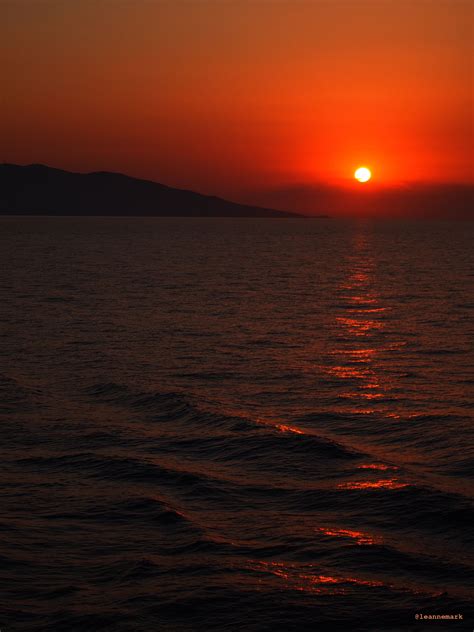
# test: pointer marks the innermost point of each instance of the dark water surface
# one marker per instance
(235, 424)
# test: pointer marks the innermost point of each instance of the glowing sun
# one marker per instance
(362, 174)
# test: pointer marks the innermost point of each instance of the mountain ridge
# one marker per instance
(38, 189)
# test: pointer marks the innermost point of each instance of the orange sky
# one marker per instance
(223, 97)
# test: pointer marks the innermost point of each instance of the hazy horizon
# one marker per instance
(421, 199)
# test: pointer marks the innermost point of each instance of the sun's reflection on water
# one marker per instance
(358, 536)
(387, 483)
(362, 323)
(286, 428)
(310, 579)
(377, 466)
(360, 347)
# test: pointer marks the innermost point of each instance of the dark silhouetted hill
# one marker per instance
(42, 190)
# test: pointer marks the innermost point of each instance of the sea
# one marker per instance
(236, 425)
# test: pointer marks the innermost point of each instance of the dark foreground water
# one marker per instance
(235, 425)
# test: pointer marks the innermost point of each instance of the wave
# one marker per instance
(242, 503)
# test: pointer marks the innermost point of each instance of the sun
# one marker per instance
(362, 174)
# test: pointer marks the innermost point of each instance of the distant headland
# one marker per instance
(43, 190)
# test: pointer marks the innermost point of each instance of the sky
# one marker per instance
(232, 97)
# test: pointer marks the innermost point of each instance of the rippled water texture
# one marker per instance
(235, 424)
